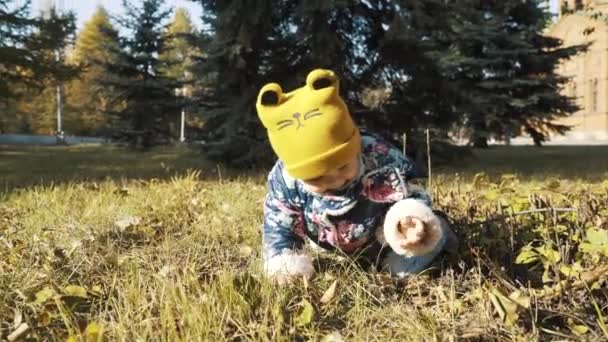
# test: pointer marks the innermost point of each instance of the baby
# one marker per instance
(339, 186)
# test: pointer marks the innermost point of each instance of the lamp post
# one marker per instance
(184, 93)
(48, 7)
(182, 126)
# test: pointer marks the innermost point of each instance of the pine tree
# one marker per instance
(252, 43)
(31, 65)
(418, 95)
(443, 65)
(179, 55)
(506, 70)
(26, 43)
(148, 96)
(237, 44)
(88, 100)
(15, 59)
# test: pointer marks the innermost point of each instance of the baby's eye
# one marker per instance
(343, 167)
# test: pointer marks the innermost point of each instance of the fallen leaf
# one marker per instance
(44, 319)
(507, 309)
(127, 222)
(577, 329)
(527, 255)
(520, 298)
(18, 318)
(75, 291)
(329, 293)
(245, 251)
(43, 295)
(333, 337)
(97, 289)
(164, 271)
(306, 315)
(93, 332)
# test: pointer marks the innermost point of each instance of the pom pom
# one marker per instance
(401, 228)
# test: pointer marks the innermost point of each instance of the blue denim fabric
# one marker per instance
(400, 266)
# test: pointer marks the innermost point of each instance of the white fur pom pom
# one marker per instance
(289, 264)
(395, 236)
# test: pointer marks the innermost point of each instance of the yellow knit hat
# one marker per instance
(310, 128)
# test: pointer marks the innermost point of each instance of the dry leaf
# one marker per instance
(333, 337)
(507, 309)
(18, 318)
(127, 222)
(329, 293)
(75, 291)
(245, 251)
(93, 332)
(43, 295)
(576, 328)
(305, 316)
(520, 298)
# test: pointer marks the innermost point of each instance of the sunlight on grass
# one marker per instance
(146, 252)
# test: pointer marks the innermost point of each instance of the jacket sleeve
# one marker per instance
(413, 201)
(283, 236)
(394, 178)
(283, 218)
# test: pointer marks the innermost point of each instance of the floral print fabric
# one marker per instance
(348, 218)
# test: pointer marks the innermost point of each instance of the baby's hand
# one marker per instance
(288, 267)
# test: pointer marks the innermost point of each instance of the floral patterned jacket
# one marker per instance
(347, 220)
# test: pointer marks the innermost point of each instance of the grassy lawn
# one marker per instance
(160, 246)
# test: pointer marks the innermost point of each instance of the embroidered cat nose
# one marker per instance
(296, 115)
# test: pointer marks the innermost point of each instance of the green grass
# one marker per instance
(187, 266)
(24, 166)
(530, 162)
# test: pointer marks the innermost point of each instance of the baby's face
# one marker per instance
(335, 179)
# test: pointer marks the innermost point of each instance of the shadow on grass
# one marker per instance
(589, 163)
(23, 167)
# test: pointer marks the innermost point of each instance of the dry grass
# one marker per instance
(158, 253)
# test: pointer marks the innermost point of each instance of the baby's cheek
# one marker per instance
(313, 188)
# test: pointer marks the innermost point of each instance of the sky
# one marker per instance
(84, 9)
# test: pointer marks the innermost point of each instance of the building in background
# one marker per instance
(588, 71)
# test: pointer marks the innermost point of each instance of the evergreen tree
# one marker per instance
(237, 43)
(148, 96)
(88, 100)
(31, 65)
(482, 65)
(419, 97)
(26, 45)
(256, 42)
(506, 70)
(15, 59)
(179, 55)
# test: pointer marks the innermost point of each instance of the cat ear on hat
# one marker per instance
(322, 78)
(270, 95)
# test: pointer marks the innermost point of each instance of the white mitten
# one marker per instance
(289, 265)
(411, 228)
